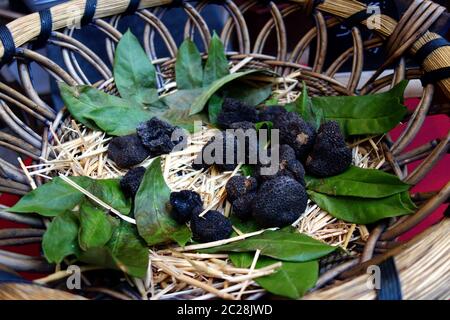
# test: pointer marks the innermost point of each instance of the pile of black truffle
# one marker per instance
(152, 138)
(276, 200)
(280, 199)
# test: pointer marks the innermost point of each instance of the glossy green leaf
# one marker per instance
(129, 250)
(81, 100)
(201, 101)
(52, 198)
(249, 92)
(57, 196)
(247, 170)
(134, 74)
(272, 102)
(264, 124)
(96, 227)
(153, 221)
(359, 115)
(188, 67)
(111, 120)
(125, 251)
(214, 108)
(61, 238)
(304, 106)
(291, 280)
(216, 65)
(110, 192)
(279, 244)
(358, 182)
(364, 210)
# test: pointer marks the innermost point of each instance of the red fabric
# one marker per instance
(433, 128)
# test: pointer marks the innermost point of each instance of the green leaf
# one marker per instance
(61, 238)
(247, 170)
(358, 182)
(214, 108)
(364, 210)
(119, 121)
(304, 106)
(251, 93)
(292, 279)
(110, 192)
(216, 65)
(246, 226)
(64, 197)
(125, 251)
(359, 115)
(280, 244)
(272, 102)
(153, 221)
(128, 250)
(188, 67)
(200, 102)
(264, 124)
(81, 100)
(52, 198)
(134, 74)
(96, 227)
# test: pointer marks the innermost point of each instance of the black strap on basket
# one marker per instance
(176, 3)
(46, 29)
(390, 288)
(133, 6)
(429, 47)
(89, 12)
(435, 76)
(357, 18)
(9, 48)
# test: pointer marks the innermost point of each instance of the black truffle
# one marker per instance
(279, 202)
(156, 135)
(244, 125)
(235, 111)
(243, 206)
(131, 181)
(183, 203)
(288, 166)
(295, 132)
(223, 141)
(330, 155)
(238, 186)
(213, 226)
(127, 151)
(271, 113)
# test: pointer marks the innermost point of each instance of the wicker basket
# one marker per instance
(423, 263)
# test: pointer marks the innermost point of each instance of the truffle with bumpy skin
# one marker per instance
(279, 202)
(295, 132)
(330, 155)
(225, 141)
(238, 186)
(288, 166)
(183, 203)
(131, 181)
(243, 206)
(156, 135)
(235, 111)
(213, 226)
(244, 125)
(127, 151)
(271, 113)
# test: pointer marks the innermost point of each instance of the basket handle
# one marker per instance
(435, 65)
